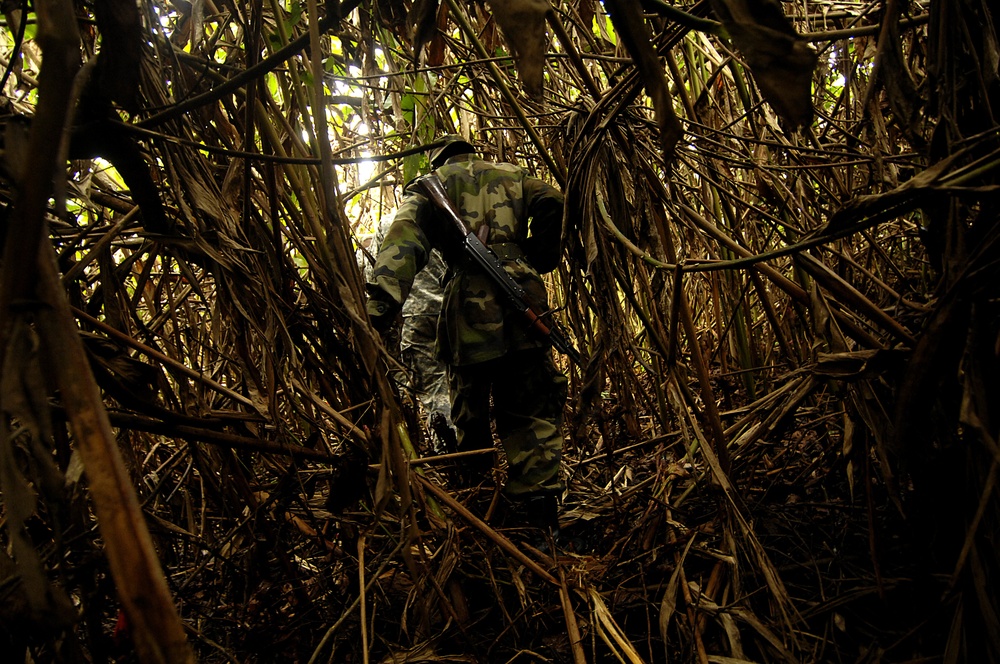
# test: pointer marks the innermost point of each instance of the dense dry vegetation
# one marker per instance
(781, 268)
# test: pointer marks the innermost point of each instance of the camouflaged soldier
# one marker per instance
(488, 349)
(427, 375)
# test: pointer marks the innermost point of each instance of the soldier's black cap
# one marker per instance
(448, 146)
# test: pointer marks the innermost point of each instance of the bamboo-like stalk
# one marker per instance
(459, 14)
(572, 626)
(478, 523)
(142, 588)
(245, 327)
(361, 597)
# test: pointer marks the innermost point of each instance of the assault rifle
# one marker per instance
(488, 261)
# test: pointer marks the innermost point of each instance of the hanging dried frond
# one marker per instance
(789, 337)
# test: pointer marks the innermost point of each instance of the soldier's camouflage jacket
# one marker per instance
(518, 216)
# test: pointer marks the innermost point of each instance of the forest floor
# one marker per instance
(652, 563)
(804, 558)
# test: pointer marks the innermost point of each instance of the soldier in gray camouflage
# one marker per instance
(487, 347)
(426, 376)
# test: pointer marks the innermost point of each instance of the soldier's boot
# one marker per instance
(543, 512)
(442, 434)
(537, 510)
(472, 471)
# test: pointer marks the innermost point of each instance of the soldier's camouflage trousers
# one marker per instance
(428, 378)
(528, 396)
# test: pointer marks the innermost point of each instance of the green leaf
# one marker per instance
(408, 103)
(414, 165)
